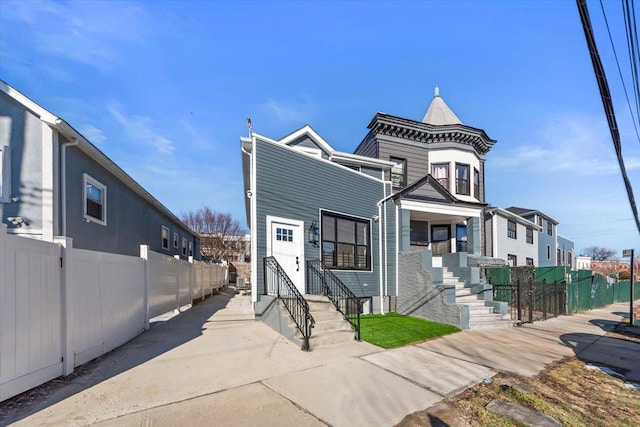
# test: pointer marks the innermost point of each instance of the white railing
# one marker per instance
(61, 307)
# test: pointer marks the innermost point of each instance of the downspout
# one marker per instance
(494, 235)
(380, 257)
(251, 194)
(383, 284)
(63, 181)
(386, 251)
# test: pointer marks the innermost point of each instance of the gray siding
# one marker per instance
(131, 220)
(417, 158)
(368, 147)
(23, 131)
(306, 142)
(376, 173)
(307, 185)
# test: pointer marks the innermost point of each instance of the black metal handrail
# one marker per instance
(322, 281)
(278, 283)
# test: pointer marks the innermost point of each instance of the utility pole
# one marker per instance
(633, 273)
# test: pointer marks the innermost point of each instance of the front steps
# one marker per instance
(330, 327)
(481, 316)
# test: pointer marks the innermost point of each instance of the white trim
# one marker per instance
(88, 179)
(380, 257)
(356, 158)
(316, 152)
(43, 114)
(452, 210)
(398, 248)
(298, 242)
(254, 222)
(183, 247)
(312, 134)
(49, 193)
(320, 159)
(164, 227)
(5, 174)
(176, 240)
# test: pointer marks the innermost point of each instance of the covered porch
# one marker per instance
(442, 228)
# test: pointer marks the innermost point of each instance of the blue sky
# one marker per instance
(164, 89)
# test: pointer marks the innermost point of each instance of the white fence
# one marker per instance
(61, 307)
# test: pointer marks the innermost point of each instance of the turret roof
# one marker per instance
(439, 112)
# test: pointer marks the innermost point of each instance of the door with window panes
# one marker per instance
(287, 247)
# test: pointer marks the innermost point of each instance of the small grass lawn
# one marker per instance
(395, 330)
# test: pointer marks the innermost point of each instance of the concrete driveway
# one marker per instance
(214, 365)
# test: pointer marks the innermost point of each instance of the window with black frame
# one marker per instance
(462, 179)
(345, 242)
(399, 172)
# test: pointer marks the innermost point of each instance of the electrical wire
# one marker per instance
(624, 86)
(632, 47)
(607, 104)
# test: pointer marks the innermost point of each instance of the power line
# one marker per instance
(632, 47)
(605, 94)
(624, 86)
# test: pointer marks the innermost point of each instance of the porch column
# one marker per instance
(405, 230)
(473, 236)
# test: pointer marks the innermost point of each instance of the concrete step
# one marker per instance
(315, 306)
(320, 316)
(329, 338)
(475, 310)
(331, 325)
(491, 324)
(464, 292)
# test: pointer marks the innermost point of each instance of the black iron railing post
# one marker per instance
(544, 299)
(519, 299)
(359, 302)
(264, 277)
(556, 302)
(531, 292)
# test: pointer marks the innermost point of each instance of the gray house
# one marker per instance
(54, 182)
(399, 222)
(305, 201)
(453, 155)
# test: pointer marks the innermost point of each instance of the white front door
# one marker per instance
(285, 243)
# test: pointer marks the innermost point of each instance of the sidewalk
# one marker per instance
(214, 365)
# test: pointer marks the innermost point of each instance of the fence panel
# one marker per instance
(162, 286)
(107, 295)
(184, 280)
(30, 313)
(198, 288)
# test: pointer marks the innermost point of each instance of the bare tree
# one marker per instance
(600, 254)
(219, 232)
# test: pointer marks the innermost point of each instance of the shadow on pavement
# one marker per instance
(160, 338)
(619, 354)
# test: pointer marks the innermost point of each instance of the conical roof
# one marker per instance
(439, 112)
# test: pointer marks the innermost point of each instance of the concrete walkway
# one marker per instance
(214, 365)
